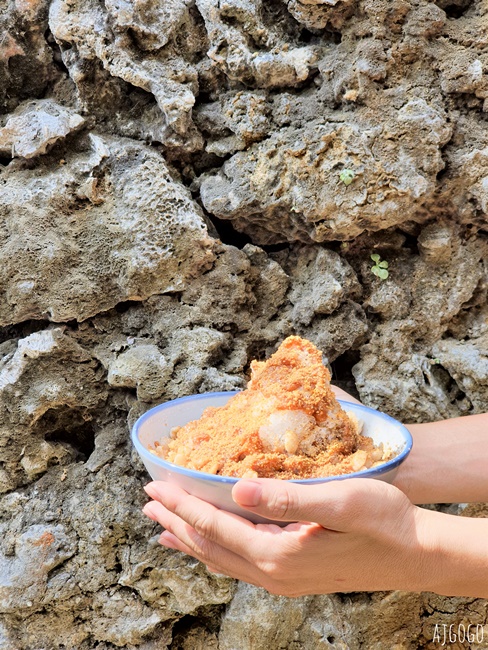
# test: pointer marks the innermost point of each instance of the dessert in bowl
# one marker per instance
(287, 424)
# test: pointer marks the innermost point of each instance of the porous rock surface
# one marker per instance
(34, 126)
(172, 206)
(103, 225)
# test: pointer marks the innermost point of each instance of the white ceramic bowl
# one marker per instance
(157, 423)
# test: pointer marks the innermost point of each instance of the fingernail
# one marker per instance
(247, 493)
(150, 490)
(147, 511)
(164, 542)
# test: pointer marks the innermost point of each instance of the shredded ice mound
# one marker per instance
(286, 424)
(287, 431)
(295, 432)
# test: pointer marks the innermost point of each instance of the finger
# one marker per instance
(341, 394)
(228, 530)
(212, 569)
(171, 541)
(339, 505)
(238, 570)
(192, 543)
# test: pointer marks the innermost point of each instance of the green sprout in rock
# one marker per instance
(347, 176)
(380, 268)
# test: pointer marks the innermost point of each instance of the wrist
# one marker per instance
(445, 466)
(426, 568)
(452, 555)
(416, 557)
(411, 475)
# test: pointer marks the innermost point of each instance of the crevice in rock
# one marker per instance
(59, 568)
(21, 330)
(206, 619)
(122, 307)
(342, 372)
(443, 173)
(71, 429)
(411, 242)
(275, 13)
(275, 248)
(137, 98)
(228, 234)
(72, 325)
(56, 52)
(466, 103)
(189, 167)
(455, 393)
(306, 36)
(455, 9)
(482, 232)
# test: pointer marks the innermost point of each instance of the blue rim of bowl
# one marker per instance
(377, 471)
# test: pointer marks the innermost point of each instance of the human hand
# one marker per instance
(366, 535)
(448, 460)
(341, 394)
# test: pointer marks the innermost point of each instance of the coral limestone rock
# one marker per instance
(26, 60)
(116, 227)
(256, 45)
(141, 366)
(403, 367)
(288, 187)
(299, 122)
(24, 577)
(40, 395)
(35, 126)
(164, 72)
(323, 281)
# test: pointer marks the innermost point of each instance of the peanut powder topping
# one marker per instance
(287, 424)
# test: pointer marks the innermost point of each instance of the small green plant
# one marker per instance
(380, 268)
(347, 176)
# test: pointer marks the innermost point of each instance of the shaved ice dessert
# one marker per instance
(287, 424)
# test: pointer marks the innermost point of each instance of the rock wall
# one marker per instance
(183, 183)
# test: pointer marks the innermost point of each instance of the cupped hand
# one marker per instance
(341, 394)
(352, 535)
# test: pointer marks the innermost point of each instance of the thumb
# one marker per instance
(341, 505)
